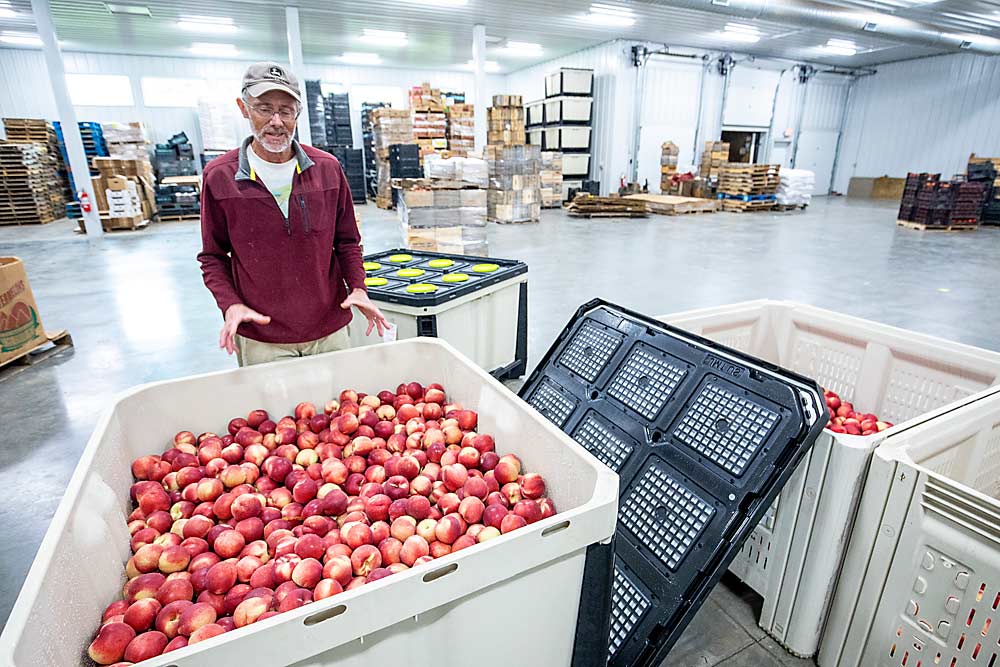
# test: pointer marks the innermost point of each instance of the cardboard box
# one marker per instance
(116, 183)
(21, 327)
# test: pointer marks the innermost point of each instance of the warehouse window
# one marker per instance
(160, 91)
(100, 90)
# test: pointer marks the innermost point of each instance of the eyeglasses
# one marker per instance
(267, 111)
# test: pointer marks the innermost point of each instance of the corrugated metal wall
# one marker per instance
(922, 115)
(614, 95)
(24, 76)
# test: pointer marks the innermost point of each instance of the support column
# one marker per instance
(67, 115)
(479, 96)
(295, 60)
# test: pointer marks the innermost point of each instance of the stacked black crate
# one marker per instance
(912, 188)
(352, 161)
(338, 121)
(986, 173)
(371, 170)
(967, 203)
(404, 162)
(316, 108)
(175, 158)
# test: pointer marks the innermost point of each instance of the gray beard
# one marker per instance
(285, 145)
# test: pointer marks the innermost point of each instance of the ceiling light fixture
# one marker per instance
(20, 38)
(611, 15)
(388, 38)
(840, 47)
(208, 24)
(356, 58)
(523, 49)
(214, 49)
(489, 66)
(739, 32)
(442, 3)
(133, 10)
(6, 12)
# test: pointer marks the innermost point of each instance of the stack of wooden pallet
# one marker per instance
(672, 205)
(40, 131)
(748, 187)
(588, 206)
(26, 178)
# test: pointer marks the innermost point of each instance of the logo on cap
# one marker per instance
(276, 73)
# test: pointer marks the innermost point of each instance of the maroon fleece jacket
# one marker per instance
(296, 270)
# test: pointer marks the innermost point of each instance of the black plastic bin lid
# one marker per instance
(438, 280)
(703, 438)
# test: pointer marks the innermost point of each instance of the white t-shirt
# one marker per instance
(276, 177)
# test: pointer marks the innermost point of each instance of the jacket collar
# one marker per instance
(245, 173)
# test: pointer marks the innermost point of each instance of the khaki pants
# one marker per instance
(252, 352)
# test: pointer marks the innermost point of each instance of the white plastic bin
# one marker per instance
(569, 81)
(481, 594)
(921, 581)
(576, 164)
(535, 112)
(794, 555)
(568, 109)
(536, 137)
(489, 325)
(567, 137)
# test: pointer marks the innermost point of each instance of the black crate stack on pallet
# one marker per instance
(986, 173)
(316, 108)
(338, 120)
(175, 158)
(966, 202)
(404, 162)
(353, 163)
(911, 189)
(371, 169)
(177, 201)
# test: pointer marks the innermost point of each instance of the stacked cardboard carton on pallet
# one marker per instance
(715, 155)
(389, 127)
(669, 153)
(124, 192)
(126, 140)
(461, 129)
(551, 177)
(443, 216)
(430, 123)
(515, 193)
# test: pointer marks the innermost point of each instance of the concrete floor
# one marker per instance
(138, 312)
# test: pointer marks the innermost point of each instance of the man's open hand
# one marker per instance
(359, 299)
(236, 314)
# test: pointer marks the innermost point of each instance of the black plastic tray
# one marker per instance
(703, 438)
(395, 291)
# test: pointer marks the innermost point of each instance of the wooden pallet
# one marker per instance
(56, 342)
(789, 207)
(674, 205)
(936, 228)
(737, 206)
(186, 217)
(589, 206)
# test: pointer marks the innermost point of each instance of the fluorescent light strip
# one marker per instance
(207, 24)
(20, 38)
(134, 10)
(490, 66)
(356, 58)
(442, 3)
(388, 38)
(741, 27)
(214, 49)
(610, 15)
(522, 49)
(7, 13)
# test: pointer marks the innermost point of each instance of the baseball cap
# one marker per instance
(264, 76)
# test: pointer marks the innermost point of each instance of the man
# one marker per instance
(281, 250)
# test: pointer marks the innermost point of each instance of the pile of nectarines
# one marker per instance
(231, 530)
(843, 418)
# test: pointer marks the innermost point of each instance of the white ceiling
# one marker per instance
(440, 37)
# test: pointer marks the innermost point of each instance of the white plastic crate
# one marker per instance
(484, 325)
(568, 109)
(569, 81)
(535, 112)
(567, 137)
(576, 164)
(921, 581)
(536, 137)
(794, 555)
(440, 606)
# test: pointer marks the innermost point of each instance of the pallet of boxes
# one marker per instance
(31, 189)
(124, 192)
(445, 212)
(669, 153)
(745, 187)
(430, 124)
(461, 129)
(715, 155)
(389, 127)
(514, 167)
(551, 178)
